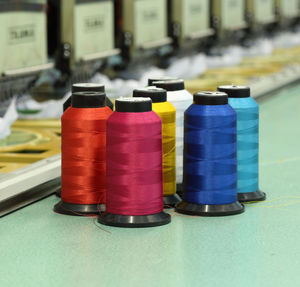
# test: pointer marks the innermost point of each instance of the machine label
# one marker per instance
(150, 15)
(93, 23)
(21, 34)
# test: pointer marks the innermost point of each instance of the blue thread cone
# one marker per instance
(209, 173)
(247, 142)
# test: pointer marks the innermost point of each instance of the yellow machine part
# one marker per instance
(33, 141)
(210, 83)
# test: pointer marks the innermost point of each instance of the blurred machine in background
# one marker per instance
(23, 45)
(81, 39)
(190, 26)
(46, 45)
(287, 11)
(142, 30)
(190, 20)
(229, 18)
(260, 15)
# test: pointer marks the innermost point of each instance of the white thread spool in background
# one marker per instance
(181, 99)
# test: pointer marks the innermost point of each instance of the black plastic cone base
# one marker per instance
(252, 196)
(179, 189)
(58, 192)
(78, 209)
(171, 200)
(134, 221)
(209, 210)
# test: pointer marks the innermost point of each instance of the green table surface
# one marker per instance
(260, 247)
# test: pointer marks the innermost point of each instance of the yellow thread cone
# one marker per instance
(167, 113)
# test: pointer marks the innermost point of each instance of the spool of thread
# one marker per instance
(88, 87)
(167, 113)
(83, 171)
(134, 166)
(247, 142)
(210, 175)
(181, 99)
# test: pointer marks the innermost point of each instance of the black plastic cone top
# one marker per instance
(133, 105)
(157, 95)
(87, 87)
(235, 91)
(170, 85)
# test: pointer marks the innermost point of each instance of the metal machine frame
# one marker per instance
(29, 184)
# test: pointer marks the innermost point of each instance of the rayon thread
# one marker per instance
(134, 163)
(181, 100)
(167, 113)
(210, 174)
(83, 173)
(247, 143)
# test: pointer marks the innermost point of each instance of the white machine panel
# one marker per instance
(24, 38)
